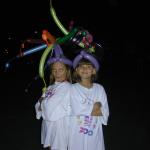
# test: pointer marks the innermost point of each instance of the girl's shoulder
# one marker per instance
(66, 84)
(74, 84)
(59, 84)
(49, 87)
(98, 85)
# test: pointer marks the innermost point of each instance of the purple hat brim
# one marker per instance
(62, 60)
(87, 56)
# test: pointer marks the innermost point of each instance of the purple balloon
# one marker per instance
(58, 51)
(87, 56)
(59, 57)
(76, 60)
(62, 60)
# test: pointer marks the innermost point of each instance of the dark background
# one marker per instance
(122, 30)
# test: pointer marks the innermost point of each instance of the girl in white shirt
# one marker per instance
(54, 104)
(89, 107)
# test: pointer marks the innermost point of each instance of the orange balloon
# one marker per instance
(48, 38)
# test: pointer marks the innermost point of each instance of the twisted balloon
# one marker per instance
(63, 29)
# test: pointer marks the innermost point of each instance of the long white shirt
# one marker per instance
(55, 109)
(83, 99)
(85, 130)
(56, 103)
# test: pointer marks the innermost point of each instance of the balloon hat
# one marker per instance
(85, 55)
(59, 57)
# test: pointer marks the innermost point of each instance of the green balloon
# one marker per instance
(42, 62)
(61, 27)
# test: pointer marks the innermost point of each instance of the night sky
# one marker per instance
(120, 27)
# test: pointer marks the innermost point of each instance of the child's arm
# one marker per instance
(38, 109)
(96, 111)
(40, 101)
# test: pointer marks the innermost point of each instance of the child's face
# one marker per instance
(59, 71)
(85, 71)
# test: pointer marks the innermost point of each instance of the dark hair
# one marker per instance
(68, 74)
(76, 77)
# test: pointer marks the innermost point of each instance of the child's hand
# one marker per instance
(40, 101)
(96, 111)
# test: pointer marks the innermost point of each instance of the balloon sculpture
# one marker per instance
(78, 36)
